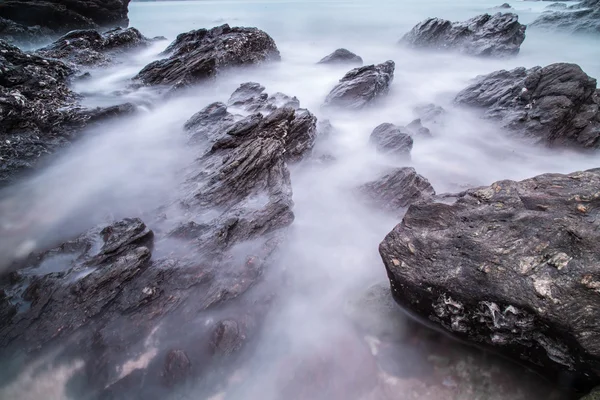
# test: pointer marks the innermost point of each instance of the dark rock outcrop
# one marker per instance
(202, 54)
(583, 17)
(557, 104)
(512, 266)
(495, 35)
(341, 56)
(397, 189)
(391, 139)
(362, 86)
(90, 48)
(31, 20)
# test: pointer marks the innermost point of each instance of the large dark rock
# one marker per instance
(557, 104)
(38, 112)
(485, 35)
(391, 139)
(397, 189)
(90, 48)
(362, 86)
(202, 54)
(37, 18)
(341, 56)
(513, 267)
(583, 17)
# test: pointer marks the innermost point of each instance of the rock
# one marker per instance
(36, 19)
(391, 139)
(362, 86)
(250, 97)
(398, 189)
(583, 17)
(341, 56)
(26, 36)
(504, 5)
(512, 267)
(202, 54)
(557, 6)
(557, 104)
(416, 128)
(430, 113)
(90, 48)
(593, 395)
(495, 35)
(227, 338)
(177, 367)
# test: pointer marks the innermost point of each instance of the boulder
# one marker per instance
(391, 139)
(362, 86)
(429, 113)
(416, 128)
(557, 104)
(202, 54)
(90, 48)
(583, 17)
(495, 35)
(512, 267)
(341, 56)
(397, 189)
(33, 19)
(504, 5)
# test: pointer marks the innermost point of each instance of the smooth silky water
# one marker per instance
(131, 166)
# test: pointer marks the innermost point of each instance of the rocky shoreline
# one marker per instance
(512, 267)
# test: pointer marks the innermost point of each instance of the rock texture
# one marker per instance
(512, 266)
(341, 56)
(38, 112)
(362, 86)
(397, 189)
(583, 17)
(557, 104)
(90, 48)
(495, 35)
(391, 139)
(30, 20)
(202, 54)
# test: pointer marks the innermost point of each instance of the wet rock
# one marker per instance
(504, 5)
(90, 48)
(341, 56)
(202, 54)
(398, 189)
(557, 6)
(391, 139)
(583, 17)
(430, 113)
(495, 35)
(26, 36)
(227, 338)
(38, 18)
(251, 97)
(557, 104)
(416, 128)
(177, 367)
(362, 86)
(511, 267)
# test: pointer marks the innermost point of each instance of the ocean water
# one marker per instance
(130, 166)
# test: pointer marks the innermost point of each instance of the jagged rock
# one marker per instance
(362, 86)
(38, 112)
(485, 35)
(177, 367)
(26, 36)
(391, 139)
(89, 47)
(583, 17)
(202, 54)
(341, 56)
(557, 6)
(512, 267)
(32, 20)
(250, 97)
(557, 104)
(429, 113)
(397, 189)
(504, 5)
(416, 128)
(227, 338)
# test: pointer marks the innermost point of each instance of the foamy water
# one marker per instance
(131, 166)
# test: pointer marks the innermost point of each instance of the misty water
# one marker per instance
(130, 166)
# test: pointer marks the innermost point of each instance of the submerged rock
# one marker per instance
(90, 48)
(512, 266)
(485, 35)
(33, 19)
(202, 54)
(362, 86)
(341, 56)
(391, 139)
(557, 104)
(397, 189)
(583, 17)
